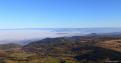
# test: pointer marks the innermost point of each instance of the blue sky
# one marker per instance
(60, 13)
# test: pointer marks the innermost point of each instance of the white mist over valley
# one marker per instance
(24, 35)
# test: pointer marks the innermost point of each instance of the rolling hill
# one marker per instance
(78, 48)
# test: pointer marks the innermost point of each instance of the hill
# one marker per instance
(78, 48)
(9, 46)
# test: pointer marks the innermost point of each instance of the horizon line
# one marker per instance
(59, 28)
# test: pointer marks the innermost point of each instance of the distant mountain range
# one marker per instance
(84, 30)
(25, 35)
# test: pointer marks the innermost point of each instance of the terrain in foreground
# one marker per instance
(76, 49)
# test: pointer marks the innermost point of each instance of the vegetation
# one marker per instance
(78, 49)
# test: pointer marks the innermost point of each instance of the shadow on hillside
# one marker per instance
(99, 53)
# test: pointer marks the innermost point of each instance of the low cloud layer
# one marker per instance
(7, 36)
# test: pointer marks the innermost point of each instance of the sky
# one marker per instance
(59, 13)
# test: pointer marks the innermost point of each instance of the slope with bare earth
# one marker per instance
(76, 49)
(79, 48)
(111, 44)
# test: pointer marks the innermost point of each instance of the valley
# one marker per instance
(76, 49)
